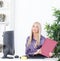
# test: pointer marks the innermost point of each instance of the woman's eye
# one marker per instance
(33, 26)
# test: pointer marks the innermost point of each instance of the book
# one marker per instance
(48, 47)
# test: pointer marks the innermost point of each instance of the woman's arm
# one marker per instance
(37, 52)
(28, 48)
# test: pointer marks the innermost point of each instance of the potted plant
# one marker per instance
(53, 30)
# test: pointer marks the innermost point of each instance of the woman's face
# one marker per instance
(35, 28)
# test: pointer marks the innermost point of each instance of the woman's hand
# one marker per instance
(37, 52)
(50, 54)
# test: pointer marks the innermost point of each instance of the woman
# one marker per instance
(35, 42)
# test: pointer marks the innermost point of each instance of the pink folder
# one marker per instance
(48, 47)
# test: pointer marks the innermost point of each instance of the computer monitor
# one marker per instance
(8, 42)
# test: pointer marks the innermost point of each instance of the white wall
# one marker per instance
(26, 13)
(8, 10)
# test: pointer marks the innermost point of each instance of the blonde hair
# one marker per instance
(39, 35)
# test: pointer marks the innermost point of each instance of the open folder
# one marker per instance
(48, 47)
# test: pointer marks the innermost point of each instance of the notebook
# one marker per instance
(48, 47)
